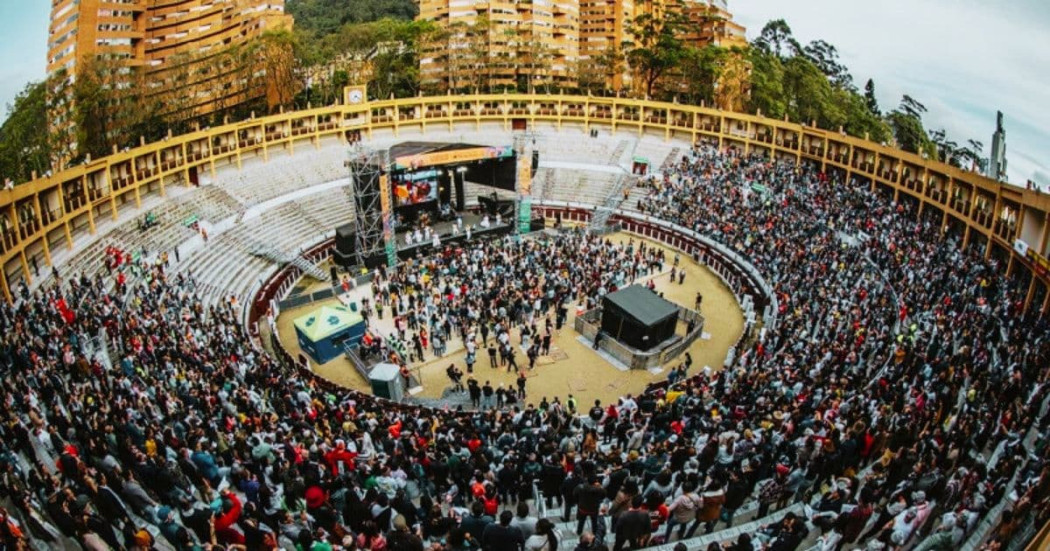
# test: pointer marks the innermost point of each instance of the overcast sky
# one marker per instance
(964, 59)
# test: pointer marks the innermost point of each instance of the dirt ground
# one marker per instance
(572, 367)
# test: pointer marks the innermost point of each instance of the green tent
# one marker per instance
(323, 331)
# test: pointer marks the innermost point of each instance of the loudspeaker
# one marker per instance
(535, 160)
(345, 241)
(344, 261)
(335, 276)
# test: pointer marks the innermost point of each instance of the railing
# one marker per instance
(588, 324)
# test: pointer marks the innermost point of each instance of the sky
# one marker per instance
(963, 59)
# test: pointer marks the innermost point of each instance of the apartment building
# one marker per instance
(169, 39)
(604, 27)
(711, 23)
(528, 42)
(497, 44)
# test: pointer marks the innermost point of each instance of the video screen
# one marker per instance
(414, 188)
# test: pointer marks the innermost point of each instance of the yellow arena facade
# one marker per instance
(45, 218)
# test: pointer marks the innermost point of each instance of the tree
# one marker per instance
(734, 82)
(776, 39)
(657, 48)
(809, 95)
(275, 68)
(869, 98)
(106, 97)
(912, 107)
(325, 17)
(767, 84)
(975, 154)
(826, 58)
(25, 145)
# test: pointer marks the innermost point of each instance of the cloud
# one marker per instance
(963, 59)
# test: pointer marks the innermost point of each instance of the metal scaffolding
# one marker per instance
(367, 167)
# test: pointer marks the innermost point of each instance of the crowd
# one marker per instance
(893, 399)
(490, 287)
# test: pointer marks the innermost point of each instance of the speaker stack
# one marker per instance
(345, 246)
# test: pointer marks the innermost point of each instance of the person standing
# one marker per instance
(545, 349)
(683, 510)
(589, 499)
(512, 362)
(487, 395)
(633, 527)
(521, 385)
(475, 392)
(502, 536)
(492, 356)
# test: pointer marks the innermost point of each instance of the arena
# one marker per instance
(871, 371)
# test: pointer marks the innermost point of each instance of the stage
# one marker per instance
(448, 235)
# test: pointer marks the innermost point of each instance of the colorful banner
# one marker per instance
(388, 221)
(1039, 262)
(407, 162)
(524, 176)
(525, 214)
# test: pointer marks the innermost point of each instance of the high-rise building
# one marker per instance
(604, 27)
(174, 41)
(494, 44)
(710, 23)
(997, 162)
(498, 44)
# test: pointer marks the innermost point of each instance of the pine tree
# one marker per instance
(869, 98)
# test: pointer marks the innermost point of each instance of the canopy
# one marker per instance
(326, 321)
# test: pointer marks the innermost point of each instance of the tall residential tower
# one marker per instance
(174, 41)
(997, 162)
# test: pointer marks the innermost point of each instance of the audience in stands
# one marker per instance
(890, 406)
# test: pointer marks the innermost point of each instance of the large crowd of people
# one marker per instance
(480, 292)
(894, 399)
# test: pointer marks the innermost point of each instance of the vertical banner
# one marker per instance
(388, 222)
(524, 193)
(524, 215)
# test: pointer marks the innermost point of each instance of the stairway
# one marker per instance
(269, 252)
(600, 218)
(671, 160)
(621, 148)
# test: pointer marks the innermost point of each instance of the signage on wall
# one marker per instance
(1021, 247)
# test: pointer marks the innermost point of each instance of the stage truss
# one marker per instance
(370, 193)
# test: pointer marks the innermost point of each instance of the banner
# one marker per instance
(525, 215)
(455, 156)
(524, 176)
(388, 222)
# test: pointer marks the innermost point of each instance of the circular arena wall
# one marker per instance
(44, 218)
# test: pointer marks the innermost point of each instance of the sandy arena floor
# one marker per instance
(573, 367)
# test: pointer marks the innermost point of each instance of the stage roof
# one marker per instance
(412, 155)
(405, 149)
(642, 304)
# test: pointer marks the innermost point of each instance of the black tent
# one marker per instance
(638, 317)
